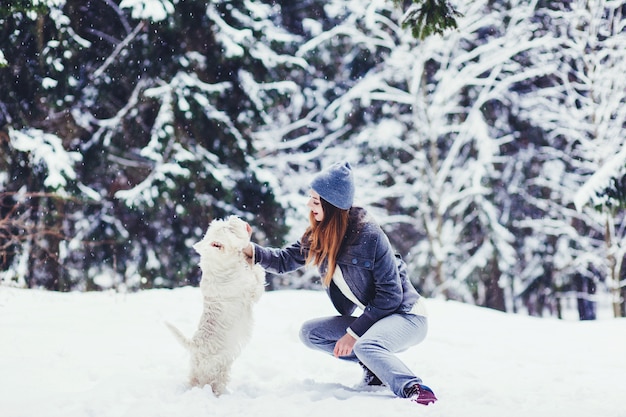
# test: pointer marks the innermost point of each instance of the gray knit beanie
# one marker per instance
(336, 185)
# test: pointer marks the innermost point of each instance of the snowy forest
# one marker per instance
(492, 153)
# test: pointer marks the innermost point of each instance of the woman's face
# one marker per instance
(315, 205)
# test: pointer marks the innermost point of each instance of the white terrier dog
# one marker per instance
(230, 286)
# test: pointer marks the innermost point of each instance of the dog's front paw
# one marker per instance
(256, 292)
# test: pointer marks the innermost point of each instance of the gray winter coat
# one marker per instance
(375, 275)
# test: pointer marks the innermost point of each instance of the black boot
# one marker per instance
(369, 378)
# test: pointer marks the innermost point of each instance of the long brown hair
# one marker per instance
(325, 238)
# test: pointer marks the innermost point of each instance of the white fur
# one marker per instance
(230, 286)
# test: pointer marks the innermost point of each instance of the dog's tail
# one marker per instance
(182, 339)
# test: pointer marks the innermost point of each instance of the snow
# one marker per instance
(155, 10)
(48, 83)
(600, 179)
(108, 354)
(47, 149)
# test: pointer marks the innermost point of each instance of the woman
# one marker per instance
(358, 269)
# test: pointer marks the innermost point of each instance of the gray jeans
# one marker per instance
(376, 348)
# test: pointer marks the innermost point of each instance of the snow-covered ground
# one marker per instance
(109, 354)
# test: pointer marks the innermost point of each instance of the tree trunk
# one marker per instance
(585, 288)
(613, 275)
(494, 293)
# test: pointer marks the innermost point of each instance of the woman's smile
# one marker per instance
(316, 206)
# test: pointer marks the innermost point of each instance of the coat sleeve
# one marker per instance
(280, 261)
(388, 291)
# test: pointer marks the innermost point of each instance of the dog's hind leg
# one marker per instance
(221, 381)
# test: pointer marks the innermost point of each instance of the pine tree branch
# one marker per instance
(118, 50)
(429, 17)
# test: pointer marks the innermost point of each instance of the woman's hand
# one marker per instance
(248, 252)
(344, 346)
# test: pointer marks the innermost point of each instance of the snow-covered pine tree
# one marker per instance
(417, 125)
(581, 109)
(160, 115)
